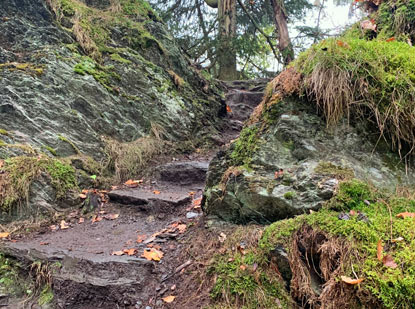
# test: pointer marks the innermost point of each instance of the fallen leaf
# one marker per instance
(152, 254)
(406, 215)
(222, 237)
(81, 220)
(169, 299)
(130, 251)
(173, 287)
(132, 183)
(64, 225)
(1, 163)
(53, 227)
(228, 109)
(390, 39)
(342, 44)
(242, 267)
(4, 235)
(191, 193)
(118, 253)
(156, 192)
(82, 196)
(111, 216)
(44, 243)
(351, 281)
(181, 228)
(352, 213)
(379, 250)
(397, 239)
(141, 238)
(96, 219)
(85, 191)
(197, 202)
(389, 262)
(368, 25)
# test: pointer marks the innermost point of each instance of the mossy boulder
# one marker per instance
(303, 261)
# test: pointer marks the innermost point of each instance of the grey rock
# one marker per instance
(297, 141)
(192, 215)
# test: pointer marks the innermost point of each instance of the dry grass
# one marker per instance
(128, 160)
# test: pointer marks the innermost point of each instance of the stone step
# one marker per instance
(251, 85)
(248, 98)
(147, 200)
(183, 173)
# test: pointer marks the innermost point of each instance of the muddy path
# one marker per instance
(143, 247)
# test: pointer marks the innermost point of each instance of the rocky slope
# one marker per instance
(80, 77)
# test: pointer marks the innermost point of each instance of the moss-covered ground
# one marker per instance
(359, 217)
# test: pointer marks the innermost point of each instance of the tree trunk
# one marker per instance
(284, 45)
(226, 54)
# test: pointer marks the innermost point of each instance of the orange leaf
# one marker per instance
(44, 243)
(156, 192)
(351, 281)
(133, 183)
(379, 250)
(4, 235)
(242, 267)
(181, 228)
(82, 196)
(96, 219)
(390, 39)
(169, 299)
(1, 163)
(130, 251)
(389, 262)
(118, 253)
(141, 238)
(191, 193)
(197, 202)
(112, 216)
(64, 225)
(81, 220)
(406, 215)
(228, 109)
(85, 191)
(152, 254)
(352, 213)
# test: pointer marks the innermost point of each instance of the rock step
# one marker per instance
(183, 173)
(251, 85)
(156, 200)
(97, 281)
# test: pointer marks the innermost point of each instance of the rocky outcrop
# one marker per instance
(78, 78)
(288, 163)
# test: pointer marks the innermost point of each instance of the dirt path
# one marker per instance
(160, 218)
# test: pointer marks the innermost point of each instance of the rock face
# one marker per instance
(289, 163)
(59, 98)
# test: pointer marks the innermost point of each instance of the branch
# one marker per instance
(259, 28)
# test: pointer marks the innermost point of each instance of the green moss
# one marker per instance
(245, 146)
(11, 280)
(2, 143)
(118, 58)
(243, 276)
(289, 195)
(328, 168)
(4, 132)
(46, 296)
(21, 171)
(51, 150)
(64, 139)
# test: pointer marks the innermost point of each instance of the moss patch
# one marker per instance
(245, 146)
(328, 168)
(19, 173)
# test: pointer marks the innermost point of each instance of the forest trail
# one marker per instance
(105, 261)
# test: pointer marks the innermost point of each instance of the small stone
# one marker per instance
(343, 216)
(148, 307)
(192, 215)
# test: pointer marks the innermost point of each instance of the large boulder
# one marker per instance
(287, 161)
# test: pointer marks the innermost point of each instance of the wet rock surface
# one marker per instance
(294, 166)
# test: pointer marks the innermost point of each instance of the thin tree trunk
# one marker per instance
(227, 30)
(284, 45)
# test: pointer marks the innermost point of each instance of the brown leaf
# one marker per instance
(406, 215)
(169, 299)
(390, 39)
(191, 193)
(111, 216)
(152, 254)
(130, 251)
(132, 183)
(228, 109)
(379, 250)
(53, 227)
(96, 219)
(81, 220)
(141, 238)
(196, 203)
(181, 228)
(156, 192)
(389, 262)
(64, 225)
(44, 243)
(118, 253)
(351, 281)
(82, 196)
(4, 235)
(242, 267)
(368, 25)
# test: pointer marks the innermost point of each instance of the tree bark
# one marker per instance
(284, 43)
(226, 54)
